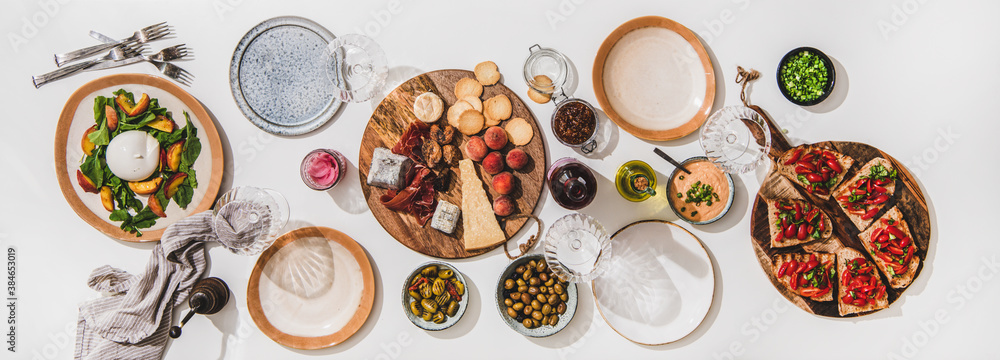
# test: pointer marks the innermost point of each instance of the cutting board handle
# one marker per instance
(779, 144)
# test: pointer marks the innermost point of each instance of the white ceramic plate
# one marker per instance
(659, 285)
(312, 289)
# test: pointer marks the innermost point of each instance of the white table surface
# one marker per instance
(920, 81)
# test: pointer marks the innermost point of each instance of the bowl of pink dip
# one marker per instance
(321, 169)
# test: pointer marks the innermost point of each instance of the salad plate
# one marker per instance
(312, 289)
(654, 78)
(278, 76)
(78, 116)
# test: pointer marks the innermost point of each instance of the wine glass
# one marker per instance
(247, 219)
(736, 138)
(577, 248)
(359, 67)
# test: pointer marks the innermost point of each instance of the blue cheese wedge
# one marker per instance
(445, 217)
(479, 224)
(388, 170)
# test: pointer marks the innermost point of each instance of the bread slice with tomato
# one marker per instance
(891, 245)
(811, 275)
(859, 288)
(867, 192)
(816, 169)
(793, 222)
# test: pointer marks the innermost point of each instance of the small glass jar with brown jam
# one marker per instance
(574, 124)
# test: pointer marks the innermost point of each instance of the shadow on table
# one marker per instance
(347, 194)
(394, 77)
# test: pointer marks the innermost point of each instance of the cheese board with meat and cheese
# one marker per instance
(414, 170)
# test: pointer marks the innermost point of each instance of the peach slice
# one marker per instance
(124, 103)
(140, 106)
(146, 187)
(107, 198)
(163, 160)
(173, 183)
(85, 143)
(112, 116)
(174, 155)
(163, 124)
(85, 182)
(156, 207)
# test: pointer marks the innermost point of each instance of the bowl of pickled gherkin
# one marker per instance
(434, 296)
(532, 300)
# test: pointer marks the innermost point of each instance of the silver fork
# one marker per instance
(176, 52)
(144, 35)
(173, 71)
(116, 53)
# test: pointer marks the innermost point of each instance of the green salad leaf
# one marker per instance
(130, 211)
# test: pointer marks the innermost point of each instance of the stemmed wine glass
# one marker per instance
(247, 219)
(736, 138)
(359, 67)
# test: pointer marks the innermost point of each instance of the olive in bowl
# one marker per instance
(532, 300)
(435, 296)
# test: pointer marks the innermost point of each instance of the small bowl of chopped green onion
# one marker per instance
(806, 76)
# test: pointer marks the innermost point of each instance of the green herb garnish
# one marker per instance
(804, 76)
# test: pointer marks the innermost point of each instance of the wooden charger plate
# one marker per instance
(907, 198)
(696, 53)
(78, 115)
(360, 315)
(388, 123)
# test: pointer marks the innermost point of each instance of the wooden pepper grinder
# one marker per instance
(208, 297)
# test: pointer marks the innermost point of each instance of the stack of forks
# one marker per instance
(122, 52)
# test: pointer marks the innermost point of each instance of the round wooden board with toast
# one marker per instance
(391, 119)
(906, 198)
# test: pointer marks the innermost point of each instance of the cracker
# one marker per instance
(428, 107)
(468, 87)
(497, 109)
(519, 131)
(475, 102)
(487, 73)
(471, 122)
(538, 97)
(544, 84)
(456, 110)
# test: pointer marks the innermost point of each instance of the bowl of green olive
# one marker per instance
(434, 296)
(532, 300)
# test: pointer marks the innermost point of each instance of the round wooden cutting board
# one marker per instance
(907, 198)
(388, 123)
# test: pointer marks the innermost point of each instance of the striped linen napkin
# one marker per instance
(133, 322)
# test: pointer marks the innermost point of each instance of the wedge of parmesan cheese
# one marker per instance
(481, 229)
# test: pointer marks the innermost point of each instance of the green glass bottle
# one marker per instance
(636, 181)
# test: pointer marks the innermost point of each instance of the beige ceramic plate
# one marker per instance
(78, 115)
(312, 289)
(653, 78)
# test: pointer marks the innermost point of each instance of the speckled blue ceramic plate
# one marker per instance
(279, 77)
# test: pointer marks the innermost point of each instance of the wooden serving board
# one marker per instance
(907, 198)
(388, 123)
